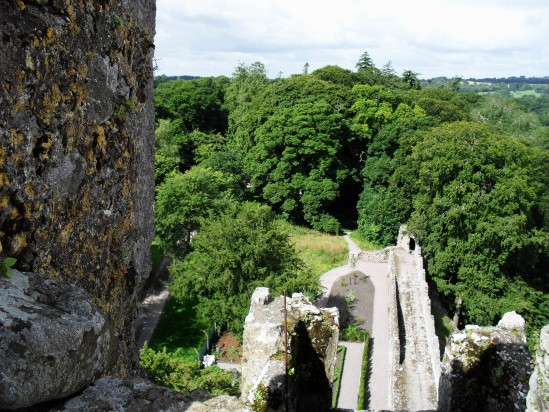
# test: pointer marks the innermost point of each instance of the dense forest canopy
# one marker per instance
(370, 150)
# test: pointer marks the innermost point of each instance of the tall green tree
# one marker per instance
(197, 104)
(475, 214)
(232, 254)
(295, 161)
(183, 199)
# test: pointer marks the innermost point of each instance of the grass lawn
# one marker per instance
(363, 243)
(180, 327)
(320, 251)
(520, 93)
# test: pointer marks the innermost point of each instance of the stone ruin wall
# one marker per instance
(394, 348)
(77, 148)
(424, 301)
(313, 336)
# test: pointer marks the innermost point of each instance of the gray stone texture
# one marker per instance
(313, 335)
(77, 148)
(485, 368)
(135, 394)
(53, 340)
(538, 395)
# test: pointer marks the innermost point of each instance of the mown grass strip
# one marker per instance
(363, 391)
(336, 386)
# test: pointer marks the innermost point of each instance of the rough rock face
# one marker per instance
(135, 394)
(53, 340)
(486, 368)
(313, 335)
(538, 396)
(77, 147)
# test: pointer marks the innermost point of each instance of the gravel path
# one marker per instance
(380, 381)
(350, 378)
(152, 306)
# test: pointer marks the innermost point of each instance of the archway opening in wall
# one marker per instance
(412, 244)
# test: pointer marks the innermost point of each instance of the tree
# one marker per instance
(475, 214)
(232, 254)
(365, 62)
(410, 78)
(197, 104)
(183, 199)
(295, 165)
(185, 375)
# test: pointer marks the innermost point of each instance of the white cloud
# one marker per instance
(444, 37)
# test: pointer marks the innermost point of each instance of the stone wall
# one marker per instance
(421, 287)
(538, 395)
(394, 344)
(77, 147)
(486, 368)
(313, 335)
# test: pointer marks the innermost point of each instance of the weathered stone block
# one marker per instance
(53, 340)
(485, 368)
(313, 335)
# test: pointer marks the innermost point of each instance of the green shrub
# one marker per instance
(169, 369)
(363, 393)
(352, 334)
(336, 386)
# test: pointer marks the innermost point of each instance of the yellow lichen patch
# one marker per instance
(4, 202)
(35, 41)
(50, 102)
(18, 243)
(47, 144)
(21, 5)
(83, 71)
(4, 181)
(49, 38)
(2, 157)
(14, 213)
(100, 139)
(65, 233)
(79, 92)
(72, 16)
(15, 138)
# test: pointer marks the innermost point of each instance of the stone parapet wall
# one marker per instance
(425, 303)
(394, 344)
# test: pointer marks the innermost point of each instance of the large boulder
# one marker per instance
(77, 148)
(53, 340)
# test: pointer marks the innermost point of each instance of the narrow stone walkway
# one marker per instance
(416, 380)
(350, 379)
(380, 379)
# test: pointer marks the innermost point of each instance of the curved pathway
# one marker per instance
(152, 306)
(380, 380)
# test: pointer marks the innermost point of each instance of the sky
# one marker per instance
(467, 38)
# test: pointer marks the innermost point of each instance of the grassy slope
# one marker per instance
(320, 251)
